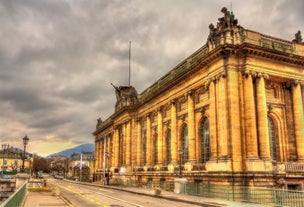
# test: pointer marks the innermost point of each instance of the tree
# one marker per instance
(40, 164)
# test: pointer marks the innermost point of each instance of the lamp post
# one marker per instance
(180, 152)
(4, 147)
(25, 141)
(108, 156)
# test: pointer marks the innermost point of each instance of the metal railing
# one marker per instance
(16, 198)
(267, 196)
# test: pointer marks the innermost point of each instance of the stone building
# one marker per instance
(11, 160)
(231, 114)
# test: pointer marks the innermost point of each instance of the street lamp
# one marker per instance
(25, 141)
(4, 147)
(108, 155)
(180, 152)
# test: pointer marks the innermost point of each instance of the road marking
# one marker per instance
(111, 197)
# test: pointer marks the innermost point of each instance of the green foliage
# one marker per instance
(43, 189)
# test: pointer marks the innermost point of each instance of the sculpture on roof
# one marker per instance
(227, 21)
(125, 96)
(298, 37)
(227, 30)
(99, 121)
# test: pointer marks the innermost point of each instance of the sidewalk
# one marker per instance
(36, 199)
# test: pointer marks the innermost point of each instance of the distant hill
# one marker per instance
(77, 150)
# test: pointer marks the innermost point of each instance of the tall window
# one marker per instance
(168, 144)
(185, 143)
(205, 140)
(272, 144)
(155, 149)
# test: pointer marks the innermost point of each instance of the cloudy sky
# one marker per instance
(59, 57)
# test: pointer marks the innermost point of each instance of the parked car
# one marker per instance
(58, 177)
(7, 177)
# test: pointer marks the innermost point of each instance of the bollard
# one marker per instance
(56, 191)
(157, 191)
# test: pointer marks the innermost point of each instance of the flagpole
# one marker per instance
(129, 63)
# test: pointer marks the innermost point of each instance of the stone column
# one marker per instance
(222, 121)
(213, 121)
(191, 128)
(128, 143)
(234, 128)
(96, 153)
(262, 117)
(124, 148)
(138, 144)
(160, 138)
(250, 117)
(116, 147)
(149, 141)
(298, 119)
(174, 132)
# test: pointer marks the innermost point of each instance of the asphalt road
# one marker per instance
(90, 196)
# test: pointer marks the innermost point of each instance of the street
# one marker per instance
(78, 195)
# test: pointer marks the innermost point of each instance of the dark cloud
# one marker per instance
(58, 58)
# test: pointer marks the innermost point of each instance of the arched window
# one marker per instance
(205, 140)
(272, 142)
(168, 144)
(155, 149)
(185, 143)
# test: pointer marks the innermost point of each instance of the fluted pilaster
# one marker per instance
(191, 128)
(262, 118)
(298, 118)
(128, 143)
(213, 125)
(250, 117)
(222, 122)
(234, 119)
(116, 147)
(138, 144)
(174, 132)
(160, 139)
(149, 141)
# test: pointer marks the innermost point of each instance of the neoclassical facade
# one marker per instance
(231, 113)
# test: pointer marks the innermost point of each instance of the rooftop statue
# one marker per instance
(227, 30)
(298, 37)
(125, 95)
(227, 21)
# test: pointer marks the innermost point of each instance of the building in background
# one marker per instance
(11, 160)
(230, 114)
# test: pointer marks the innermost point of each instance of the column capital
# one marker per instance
(160, 108)
(248, 73)
(203, 89)
(190, 92)
(262, 75)
(294, 82)
(173, 101)
(148, 115)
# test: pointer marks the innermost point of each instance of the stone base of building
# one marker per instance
(259, 165)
